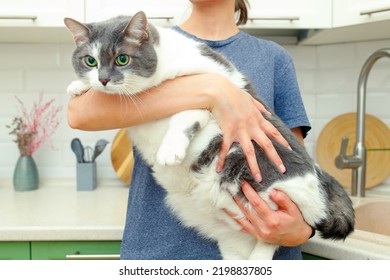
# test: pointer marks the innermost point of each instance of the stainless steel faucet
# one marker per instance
(358, 161)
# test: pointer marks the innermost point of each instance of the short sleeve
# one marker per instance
(288, 103)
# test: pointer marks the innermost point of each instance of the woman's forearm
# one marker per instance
(237, 112)
(99, 111)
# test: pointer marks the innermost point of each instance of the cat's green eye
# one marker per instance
(122, 60)
(90, 61)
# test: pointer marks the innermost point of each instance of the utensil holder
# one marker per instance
(86, 176)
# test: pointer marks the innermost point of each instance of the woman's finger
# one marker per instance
(225, 147)
(272, 132)
(266, 145)
(250, 155)
(258, 204)
(243, 221)
(260, 106)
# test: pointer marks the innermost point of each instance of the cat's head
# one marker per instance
(116, 55)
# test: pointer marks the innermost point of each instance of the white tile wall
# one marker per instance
(326, 74)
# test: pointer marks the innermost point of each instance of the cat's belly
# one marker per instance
(147, 138)
(198, 199)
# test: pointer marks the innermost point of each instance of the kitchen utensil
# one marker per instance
(377, 138)
(88, 154)
(122, 156)
(99, 148)
(78, 149)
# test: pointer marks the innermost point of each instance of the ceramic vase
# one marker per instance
(25, 174)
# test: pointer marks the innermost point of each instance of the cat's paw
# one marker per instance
(173, 149)
(77, 88)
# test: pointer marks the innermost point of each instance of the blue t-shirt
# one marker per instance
(152, 232)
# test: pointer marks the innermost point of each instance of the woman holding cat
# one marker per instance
(151, 231)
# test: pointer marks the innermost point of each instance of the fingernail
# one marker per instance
(258, 178)
(282, 168)
(273, 192)
(289, 147)
(219, 169)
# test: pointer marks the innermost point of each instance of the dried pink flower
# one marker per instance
(32, 128)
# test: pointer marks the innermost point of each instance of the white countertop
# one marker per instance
(360, 245)
(57, 211)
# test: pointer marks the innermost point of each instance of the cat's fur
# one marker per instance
(183, 149)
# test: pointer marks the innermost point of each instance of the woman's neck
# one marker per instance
(211, 22)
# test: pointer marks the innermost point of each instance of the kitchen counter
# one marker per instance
(57, 211)
(360, 245)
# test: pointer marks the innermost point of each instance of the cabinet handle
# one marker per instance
(167, 18)
(375, 11)
(92, 257)
(275, 18)
(31, 17)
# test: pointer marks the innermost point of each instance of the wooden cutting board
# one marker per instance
(122, 155)
(377, 138)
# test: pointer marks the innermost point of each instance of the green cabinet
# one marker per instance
(59, 250)
(307, 256)
(15, 250)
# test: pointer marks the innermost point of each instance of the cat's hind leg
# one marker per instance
(183, 126)
(263, 251)
(236, 245)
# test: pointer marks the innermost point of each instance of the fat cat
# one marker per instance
(128, 55)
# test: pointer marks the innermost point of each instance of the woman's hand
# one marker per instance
(285, 226)
(240, 118)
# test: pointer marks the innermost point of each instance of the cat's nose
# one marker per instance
(104, 81)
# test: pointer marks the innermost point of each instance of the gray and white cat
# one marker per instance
(127, 55)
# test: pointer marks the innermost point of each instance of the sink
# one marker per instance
(371, 238)
(373, 216)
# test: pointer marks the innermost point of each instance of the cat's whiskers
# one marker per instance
(89, 96)
(135, 99)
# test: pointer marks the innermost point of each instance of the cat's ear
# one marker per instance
(80, 31)
(137, 28)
